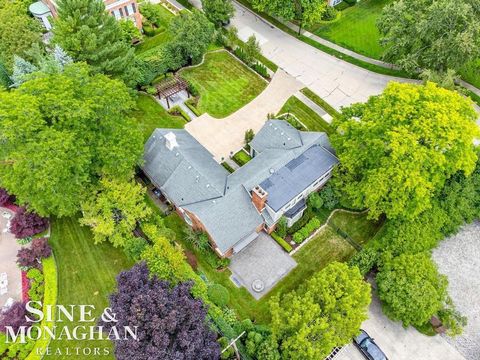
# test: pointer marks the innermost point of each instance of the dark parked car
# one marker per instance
(368, 347)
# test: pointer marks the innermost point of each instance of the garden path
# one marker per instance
(224, 137)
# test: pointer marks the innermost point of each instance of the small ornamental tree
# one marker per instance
(26, 223)
(411, 288)
(218, 12)
(171, 323)
(29, 257)
(14, 317)
(5, 197)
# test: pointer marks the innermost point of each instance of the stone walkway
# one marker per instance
(224, 137)
(8, 256)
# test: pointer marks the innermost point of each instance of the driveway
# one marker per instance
(263, 259)
(8, 256)
(458, 257)
(337, 82)
(224, 137)
(398, 343)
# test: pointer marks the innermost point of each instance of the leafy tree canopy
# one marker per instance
(411, 288)
(325, 312)
(87, 32)
(114, 211)
(60, 133)
(171, 324)
(306, 12)
(193, 34)
(18, 31)
(400, 147)
(218, 11)
(431, 34)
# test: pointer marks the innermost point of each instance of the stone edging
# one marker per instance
(316, 232)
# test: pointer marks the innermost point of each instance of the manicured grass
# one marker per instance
(307, 116)
(241, 158)
(152, 115)
(356, 28)
(471, 73)
(320, 102)
(160, 38)
(357, 226)
(224, 84)
(86, 276)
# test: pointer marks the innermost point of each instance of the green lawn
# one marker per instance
(320, 102)
(86, 276)
(152, 115)
(306, 115)
(356, 29)
(241, 158)
(314, 256)
(224, 84)
(162, 37)
(357, 226)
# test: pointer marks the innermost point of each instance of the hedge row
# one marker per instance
(305, 231)
(286, 246)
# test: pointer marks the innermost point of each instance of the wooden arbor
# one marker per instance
(170, 87)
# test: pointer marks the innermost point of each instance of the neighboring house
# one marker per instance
(45, 10)
(334, 2)
(232, 209)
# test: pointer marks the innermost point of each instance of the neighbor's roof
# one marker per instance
(192, 179)
(38, 8)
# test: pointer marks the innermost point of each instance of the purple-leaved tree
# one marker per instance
(171, 323)
(27, 223)
(5, 197)
(14, 317)
(31, 256)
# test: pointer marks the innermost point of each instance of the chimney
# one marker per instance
(259, 197)
(171, 141)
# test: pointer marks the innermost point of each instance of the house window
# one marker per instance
(126, 10)
(121, 12)
(134, 9)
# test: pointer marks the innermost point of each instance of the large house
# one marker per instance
(45, 10)
(287, 166)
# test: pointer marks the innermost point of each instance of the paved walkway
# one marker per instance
(224, 137)
(8, 256)
(399, 343)
(320, 112)
(263, 259)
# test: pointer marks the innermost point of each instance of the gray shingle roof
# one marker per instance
(192, 179)
(297, 175)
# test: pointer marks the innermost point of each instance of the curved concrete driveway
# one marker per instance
(223, 137)
(337, 82)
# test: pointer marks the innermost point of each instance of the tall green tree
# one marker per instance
(397, 149)
(193, 34)
(86, 31)
(304, 12)
(218, 12)
(411, 288)
(431, 34)
(18, 31)
(60, 133)
(326, 311)
(114, 210)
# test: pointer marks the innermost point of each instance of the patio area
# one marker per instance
(261, 265)
(8, 255)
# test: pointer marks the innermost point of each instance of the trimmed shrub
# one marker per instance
(307, 215)
(305, 231)
(30, 257)
(218, 294)
(192, 105)
(134, 247)
(286, 246)
(330, 199)
(365, 260)
(192, 89)
(261, 70)
(27, 223)
(36, 283)
(177, 110)
(282, 227)
(329, 14)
